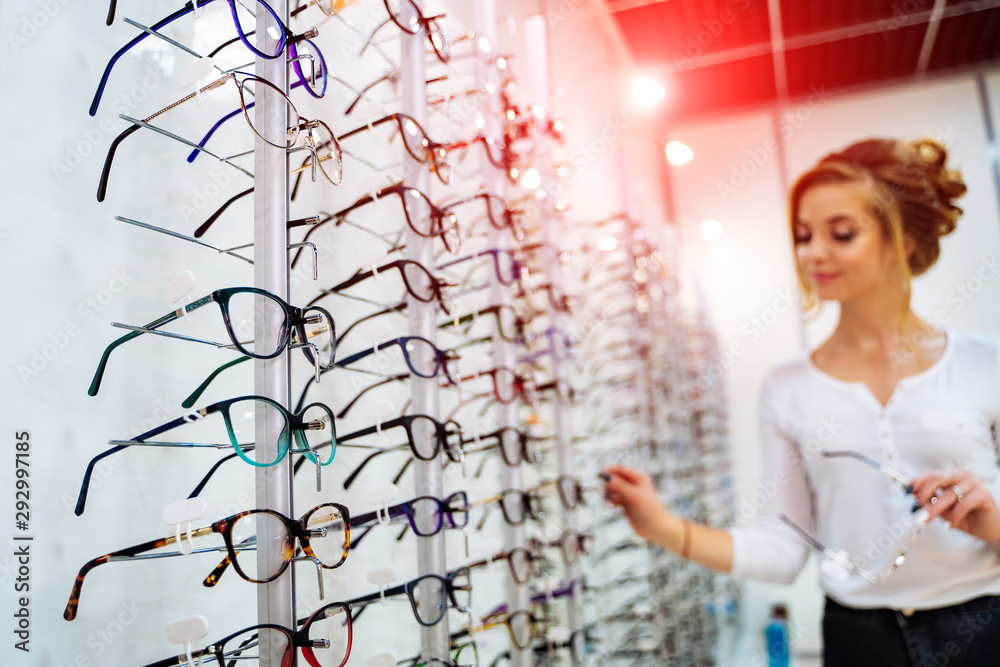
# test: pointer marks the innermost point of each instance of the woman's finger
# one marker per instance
(958, 515)
(628, 474)
(927, 486)
(943, 503)
(615, 499)
(971, 496)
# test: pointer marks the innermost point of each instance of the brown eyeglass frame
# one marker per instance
(297, 531)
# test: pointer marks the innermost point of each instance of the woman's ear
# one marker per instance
(909, 245)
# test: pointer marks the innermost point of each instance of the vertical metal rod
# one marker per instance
(536, 38)
(275, 600)
(429, 480)
(505, 354)
(990, 131)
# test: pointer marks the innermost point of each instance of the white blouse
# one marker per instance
(944, 417)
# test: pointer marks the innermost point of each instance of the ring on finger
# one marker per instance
(958, 493)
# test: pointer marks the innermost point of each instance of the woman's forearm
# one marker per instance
(706, 546)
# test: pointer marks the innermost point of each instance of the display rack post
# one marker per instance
(275, 600)
(536, 37)
(428, 480)
(505, 354)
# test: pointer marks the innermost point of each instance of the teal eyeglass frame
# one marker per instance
(295, 321)
(294, 423)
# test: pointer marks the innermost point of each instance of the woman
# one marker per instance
(886, 388)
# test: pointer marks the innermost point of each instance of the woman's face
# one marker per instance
(840, 248)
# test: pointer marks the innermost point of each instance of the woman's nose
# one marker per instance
(812, 251)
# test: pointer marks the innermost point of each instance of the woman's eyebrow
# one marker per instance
(839, 217)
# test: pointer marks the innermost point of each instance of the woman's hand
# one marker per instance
(961, 499)
(634, 492)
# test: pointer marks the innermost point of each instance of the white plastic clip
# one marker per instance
(178, 290)
(381, 577)
(185, 632)
(382, 496)
(834, 570)
(557, 636)
(184, 512)
(511, 25)
(492, 546)
(377, 411)
(387, 659)
(195, 75)
(371, 256)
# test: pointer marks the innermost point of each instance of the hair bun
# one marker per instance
(947, 184)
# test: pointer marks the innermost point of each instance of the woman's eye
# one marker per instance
(845, 235)
(802, 237)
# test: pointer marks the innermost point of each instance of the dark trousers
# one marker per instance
(963, 635)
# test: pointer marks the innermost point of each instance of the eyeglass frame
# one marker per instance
(296, 529)
(294, 422)
(294, 318)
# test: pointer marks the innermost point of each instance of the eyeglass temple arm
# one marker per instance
(364, 353)
(138, 38)
(398, 308)
(357, 471)
(200, 231)
(176, 660)
(102, 186)
(204, 480)
(394, 378)
(196, 394)
(881, 467)
(95, 384)
(74, 597)
(388, 76)
(362, 602)
(406, 466)
(827, 551)
(85, 487)
(213, 578)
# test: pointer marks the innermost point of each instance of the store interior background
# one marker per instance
(59, 248)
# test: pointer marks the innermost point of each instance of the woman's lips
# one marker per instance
(823, 278)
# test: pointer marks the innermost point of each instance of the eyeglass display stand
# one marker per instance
(429, 478)
(536, 45)
(505, 354)
(275, 600)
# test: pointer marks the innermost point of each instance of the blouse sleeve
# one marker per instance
(767, 549)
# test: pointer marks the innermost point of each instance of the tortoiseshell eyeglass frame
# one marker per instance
(297, 530)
